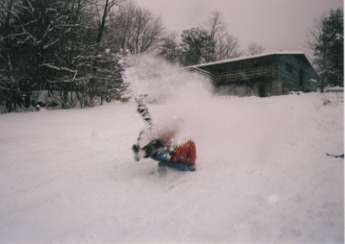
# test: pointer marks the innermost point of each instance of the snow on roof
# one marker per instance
(247, 57)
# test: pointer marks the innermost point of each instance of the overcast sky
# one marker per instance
(274, 24)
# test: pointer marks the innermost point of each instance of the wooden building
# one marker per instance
(262, 75)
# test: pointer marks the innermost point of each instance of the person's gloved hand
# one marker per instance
(152, 147)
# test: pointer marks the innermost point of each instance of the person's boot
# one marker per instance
(136, 150)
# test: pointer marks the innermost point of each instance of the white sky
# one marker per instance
(274, 24)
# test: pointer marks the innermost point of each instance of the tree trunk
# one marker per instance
(102, 25)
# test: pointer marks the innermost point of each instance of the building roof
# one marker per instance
(246, 58)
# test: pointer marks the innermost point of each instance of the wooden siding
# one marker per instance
(265, 72)
(266, 75)
(290, 70)
(277, 87)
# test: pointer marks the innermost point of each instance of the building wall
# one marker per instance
(264, 76)
(258, 88)
(277, 87)
(236, 90)
(295, 74)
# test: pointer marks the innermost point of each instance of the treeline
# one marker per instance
(72, 49)
(209, 42)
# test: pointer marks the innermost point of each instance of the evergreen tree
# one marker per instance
(328, 47)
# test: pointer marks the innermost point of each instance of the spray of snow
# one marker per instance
(162, 81)
(182, 93)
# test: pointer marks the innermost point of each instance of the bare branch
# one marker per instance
(51, 66)
(51, 43)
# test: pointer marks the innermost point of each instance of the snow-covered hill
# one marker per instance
(263, 176)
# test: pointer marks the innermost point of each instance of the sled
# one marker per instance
(177, 165)
(164, 161)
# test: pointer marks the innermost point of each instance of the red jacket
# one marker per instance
(185, 152)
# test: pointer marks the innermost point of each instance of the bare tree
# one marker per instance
(169, 48)
(97, 65)
(227, 47)
(225, 44)
(102, 9)
(134, 28)
(255, 49)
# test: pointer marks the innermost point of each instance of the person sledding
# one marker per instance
(181, 157)
(160, 144)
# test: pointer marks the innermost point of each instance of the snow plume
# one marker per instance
(162, 81)
(178, 94)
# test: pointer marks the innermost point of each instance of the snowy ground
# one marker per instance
(263, 176)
